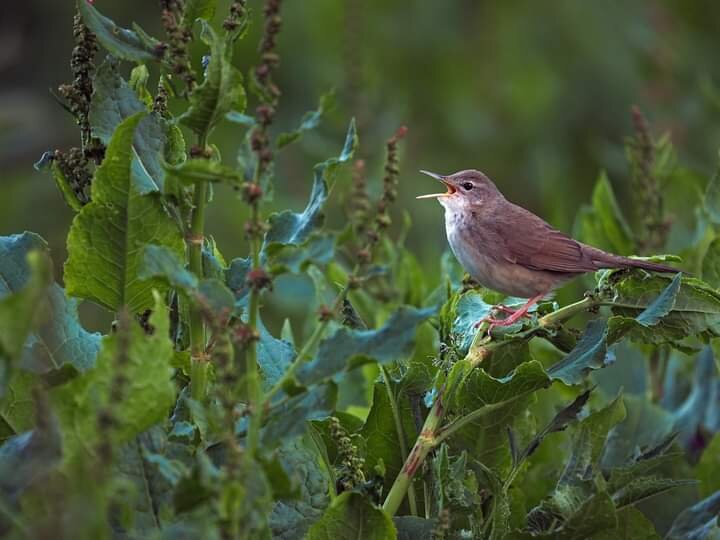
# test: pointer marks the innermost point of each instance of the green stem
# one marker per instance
(424, 443)
(254, 389)
(400, 435)
(199, 362)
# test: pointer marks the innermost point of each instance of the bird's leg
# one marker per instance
(515, 315)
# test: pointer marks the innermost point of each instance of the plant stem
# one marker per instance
(433, 433)
(424, 443)
(254, 389)
(199, 361)
(400, 435)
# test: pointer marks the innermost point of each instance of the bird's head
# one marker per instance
(469, 187)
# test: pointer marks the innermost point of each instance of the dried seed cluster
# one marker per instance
(350, 463)
(179, 37)
(268, 90)
(78, 94)
(235, 19)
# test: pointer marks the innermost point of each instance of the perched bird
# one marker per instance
(511, 250)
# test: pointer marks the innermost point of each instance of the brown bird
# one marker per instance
(511, 250)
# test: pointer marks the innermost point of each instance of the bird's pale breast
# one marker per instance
(471, 243)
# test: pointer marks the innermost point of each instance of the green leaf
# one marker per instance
(380, 434)
(107, 236)
(611, 219)
(47, 161)
(414, 528)
(287, 420)
(160, 261)
(506, 399)
(711, 264)
(309, 121)
(120, 42)
(589, 443)
(696, 311)
(589, 354)
(148, 394)
(708, 470)
(291, 519)
(712, 198)
(392, 341)
(198, 9)
(352, 517)
(220, 92)
(632, 524)
(294, 228)
(193, 171)
(603, 224)
(60, 342)
(28, 458)
(114, 101)
(274, 356)
(699, 521)
(640, 489)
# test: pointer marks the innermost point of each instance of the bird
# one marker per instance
(508, 249)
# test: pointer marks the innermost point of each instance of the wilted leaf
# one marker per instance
(107, 236)
(393, 341)
(221, 90)
(294, 228)
(135, 46)
(310, 120)
(352, 517)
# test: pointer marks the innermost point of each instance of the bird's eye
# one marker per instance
(467, 186)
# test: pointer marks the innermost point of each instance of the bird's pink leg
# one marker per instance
(515, 315)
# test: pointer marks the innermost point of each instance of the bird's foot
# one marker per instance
(514, 316)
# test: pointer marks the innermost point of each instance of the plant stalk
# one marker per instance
(252, 377)
(198, 357)
(412, 500)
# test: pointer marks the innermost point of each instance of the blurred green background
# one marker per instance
(537, 95)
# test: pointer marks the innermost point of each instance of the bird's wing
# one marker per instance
(531, 242)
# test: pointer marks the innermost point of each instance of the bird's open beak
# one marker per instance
(450, 188)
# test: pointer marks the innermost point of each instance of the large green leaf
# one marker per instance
(603, 224)
(26, 459)
(590, 353)
(711, 264)
(393, 341)
(293, 228)
(148, 394)
(135, 46)
(288, 419)
(114, 101)
(712, 198)
(699, 521)
(380, 433)
(486, 438)
(695, 311)
(291, 519)
(107, 236)
(25, 274)
(220, 92)
(352, 517)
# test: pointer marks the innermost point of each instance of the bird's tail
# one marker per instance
(608, 260)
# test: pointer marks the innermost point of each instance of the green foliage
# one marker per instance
(106, 239)
(221, 90)
(381, 409)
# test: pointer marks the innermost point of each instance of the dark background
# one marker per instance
(537, 95)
